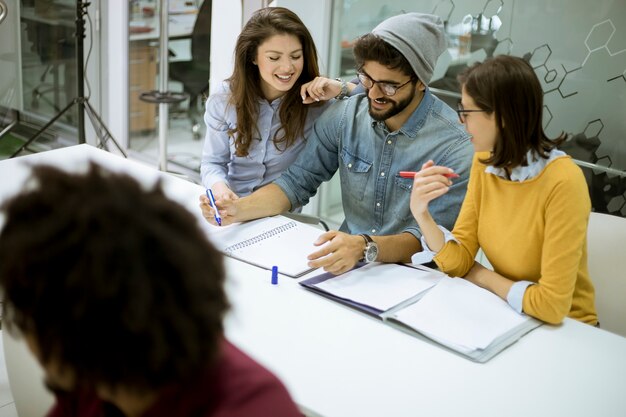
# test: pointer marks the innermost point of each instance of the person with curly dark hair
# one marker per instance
(119, 295)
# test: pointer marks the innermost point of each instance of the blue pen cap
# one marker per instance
(274, 275)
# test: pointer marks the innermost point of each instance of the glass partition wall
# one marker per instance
(38, 74)
(185, 127)
(577, 48)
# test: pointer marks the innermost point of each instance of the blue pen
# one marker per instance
(217, 216)
(274, 275)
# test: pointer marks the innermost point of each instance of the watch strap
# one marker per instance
(368, 243)
(368, 238)
(344, 89)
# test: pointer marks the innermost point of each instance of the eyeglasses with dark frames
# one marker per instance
(388, 89)
(462, 112)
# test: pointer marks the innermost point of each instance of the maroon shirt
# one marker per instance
(237, 387)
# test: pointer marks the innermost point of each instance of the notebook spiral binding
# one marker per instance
(256, 239)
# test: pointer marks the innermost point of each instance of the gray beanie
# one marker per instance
(419, 38)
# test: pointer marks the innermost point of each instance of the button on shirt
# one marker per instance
(264, 162)
(369, 158)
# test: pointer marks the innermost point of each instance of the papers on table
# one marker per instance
(271, 241)
(450, 311)
(461, 315)
(381, 286)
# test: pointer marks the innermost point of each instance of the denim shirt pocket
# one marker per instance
(402, 196)
(355, 174)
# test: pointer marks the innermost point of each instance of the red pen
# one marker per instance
(411, 174)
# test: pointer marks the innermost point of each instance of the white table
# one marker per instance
(338, 362)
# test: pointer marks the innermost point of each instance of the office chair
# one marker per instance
(308, 219)
(194, 74)
(606, 235)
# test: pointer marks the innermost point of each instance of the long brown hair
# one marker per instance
(245, 82)
(508, 87)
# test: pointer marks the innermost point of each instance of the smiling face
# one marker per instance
(480, 125)
(393, 110)
(280, 61)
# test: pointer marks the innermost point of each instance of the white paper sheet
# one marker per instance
(457, 312)
(381, 286)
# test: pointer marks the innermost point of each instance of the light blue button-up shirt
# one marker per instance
(369, 158)
(264, 163)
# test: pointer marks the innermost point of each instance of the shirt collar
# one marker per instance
(534, 165)
(417, 119)
(274, 104)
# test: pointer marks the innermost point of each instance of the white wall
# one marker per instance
(226, 26)
(115, 76)
(316, 15)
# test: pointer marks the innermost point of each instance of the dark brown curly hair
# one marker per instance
(114, 282)
(370, 47)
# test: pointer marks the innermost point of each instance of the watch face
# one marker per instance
(371, 253)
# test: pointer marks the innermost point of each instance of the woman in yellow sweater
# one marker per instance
(527, 204)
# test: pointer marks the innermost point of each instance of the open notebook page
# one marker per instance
(381, 286)
(458, 313)
(270, 241)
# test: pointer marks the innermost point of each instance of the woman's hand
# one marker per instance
(221, 191)
(226, 207)
(429, 183)
(320, 89)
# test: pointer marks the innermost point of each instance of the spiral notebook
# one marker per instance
(271, 241)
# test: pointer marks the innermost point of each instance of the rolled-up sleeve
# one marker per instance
(318, 161)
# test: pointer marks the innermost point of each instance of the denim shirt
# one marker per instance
(264, 162)
(369, 158)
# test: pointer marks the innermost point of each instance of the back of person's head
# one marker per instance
(410, 42)
(113, 282)
(508, 87)
(263, 24)
(245, 82)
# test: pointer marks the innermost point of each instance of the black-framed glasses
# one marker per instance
(388, 89)
(463, 112)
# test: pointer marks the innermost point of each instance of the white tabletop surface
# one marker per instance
(338, 362)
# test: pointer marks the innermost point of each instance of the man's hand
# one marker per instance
(339, 254)
(226, 207)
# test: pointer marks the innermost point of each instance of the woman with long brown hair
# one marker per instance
(257, 122)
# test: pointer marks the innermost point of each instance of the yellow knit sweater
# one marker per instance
(534, 230)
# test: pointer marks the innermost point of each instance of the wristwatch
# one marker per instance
(371, 249)
(344, 89)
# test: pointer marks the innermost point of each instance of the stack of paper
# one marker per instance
(450, 311)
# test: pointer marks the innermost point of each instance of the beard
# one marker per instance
(396, 107)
